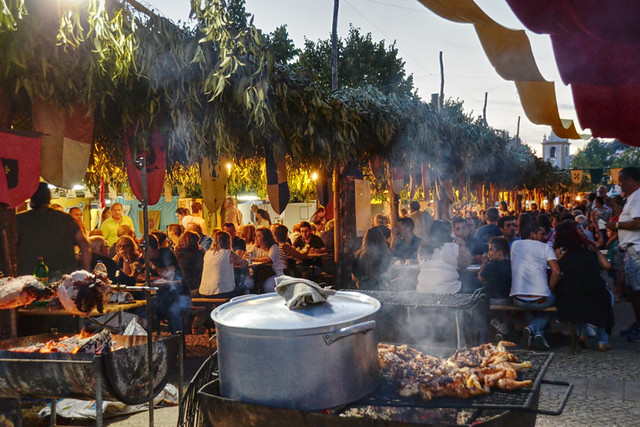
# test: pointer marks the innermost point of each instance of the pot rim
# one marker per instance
(295, 328)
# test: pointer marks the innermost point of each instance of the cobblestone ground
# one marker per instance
(606, 385)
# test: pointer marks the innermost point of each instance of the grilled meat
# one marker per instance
(81, 291)
(21, 291)
(468, 372)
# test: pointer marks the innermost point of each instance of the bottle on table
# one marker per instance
(41, 272)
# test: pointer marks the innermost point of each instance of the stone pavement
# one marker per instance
(606, 385)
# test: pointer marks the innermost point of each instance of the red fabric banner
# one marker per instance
(20, 163)
(156, 159)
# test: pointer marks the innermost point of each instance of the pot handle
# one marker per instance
(359, 328)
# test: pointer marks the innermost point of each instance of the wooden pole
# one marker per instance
(334, 47)
(518, 131)
(441, 82)
(484, 109)
(8, 265)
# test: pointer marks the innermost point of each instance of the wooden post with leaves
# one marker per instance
(8, 264)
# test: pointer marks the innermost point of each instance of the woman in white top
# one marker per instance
(217, 271)
(441, 259)
(266, 242)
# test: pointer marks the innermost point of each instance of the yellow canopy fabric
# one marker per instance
(509, 51)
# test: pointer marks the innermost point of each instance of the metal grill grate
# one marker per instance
(423, 299)
(386, 393)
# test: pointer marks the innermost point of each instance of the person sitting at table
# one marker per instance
(495, 276)
(163, 241)
(100, 252)
(263, 219)
(204, 240)
(174, 231)
(128, 258)
(174, 298)
(440, 260)
(123, 230)
(249, 236)
(288, 253)
(404, 244)
(310, 244)
(582, 296)
(190, 257)
(238, 244)
(380, 222)
(217, 268)
(371, 262)
(266, 278)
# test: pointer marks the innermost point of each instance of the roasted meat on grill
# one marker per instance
(468, 372)
(81, 291)
(21, 291)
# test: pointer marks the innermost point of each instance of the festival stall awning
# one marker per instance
(597, 48)
(509, 51)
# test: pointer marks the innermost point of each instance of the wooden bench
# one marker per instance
(517, 309)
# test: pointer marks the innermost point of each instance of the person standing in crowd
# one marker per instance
(196, 216)
(104, 214)
(50, 234)
(380, 222)
(582, 296)
(442, 260)
(110, 225)
(530, 287)
(507, 226)
(404, 243)
(230, 213)
(421, 220)
(487, 231)
(76, 213)
(371, 262)
(182, 213)
(628, 227)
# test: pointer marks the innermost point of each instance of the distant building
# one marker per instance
(555, 150)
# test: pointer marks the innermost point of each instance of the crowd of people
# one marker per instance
(578, 258)
(534, 259)
(231, 260)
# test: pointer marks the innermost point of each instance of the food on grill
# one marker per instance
(468, 372)
(22, 290)
(80, 343)
(81, 291)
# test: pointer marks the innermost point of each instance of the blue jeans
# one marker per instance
(601, 334)
(536, 322)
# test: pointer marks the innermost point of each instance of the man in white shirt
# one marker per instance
(529, 285)
(628, 227)
(421, 220)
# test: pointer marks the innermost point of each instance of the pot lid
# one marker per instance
(268, 312)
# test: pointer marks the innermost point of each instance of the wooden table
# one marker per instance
(110, 310)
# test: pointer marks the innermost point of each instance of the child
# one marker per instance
(495, 275)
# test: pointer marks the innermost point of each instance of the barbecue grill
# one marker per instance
(444, 319)
(499, 408)
(118, 374)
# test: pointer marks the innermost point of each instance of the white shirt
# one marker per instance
(439, 274)
(529, 267)
(217, 273)
(631, 210)
(200, 221)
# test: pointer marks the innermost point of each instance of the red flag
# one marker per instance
(102, 201)
(156, 167)
(20, 161)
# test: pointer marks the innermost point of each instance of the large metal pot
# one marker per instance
(317, 357)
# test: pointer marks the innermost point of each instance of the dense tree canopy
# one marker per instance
(220, 88)
(602, 154)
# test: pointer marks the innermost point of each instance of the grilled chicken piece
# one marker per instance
(509, 384)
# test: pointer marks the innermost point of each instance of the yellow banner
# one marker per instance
(576, 176)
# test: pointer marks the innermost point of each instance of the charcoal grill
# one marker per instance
(444, 319)
(120, 374)
(499, 408)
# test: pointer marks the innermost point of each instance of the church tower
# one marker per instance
(555, 150)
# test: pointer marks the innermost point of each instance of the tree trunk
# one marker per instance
(346, 241)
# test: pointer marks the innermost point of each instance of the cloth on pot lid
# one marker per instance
(300, 292)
